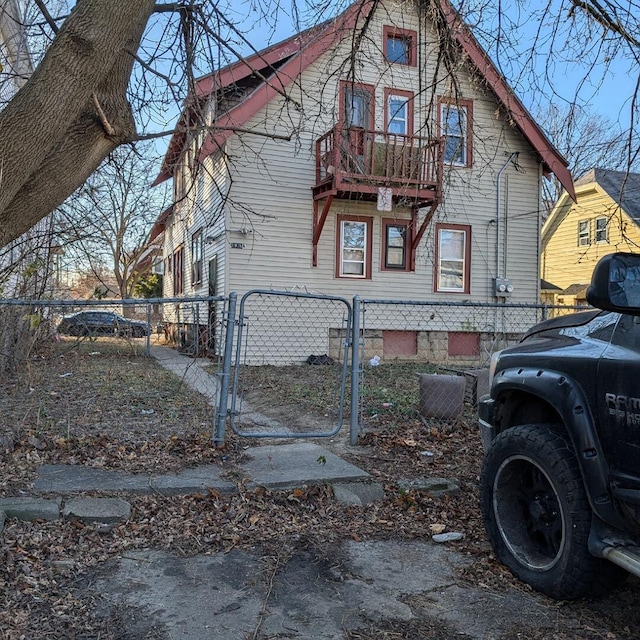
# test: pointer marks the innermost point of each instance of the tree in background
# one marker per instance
(586, 139)
(104, 226)
(109, 73)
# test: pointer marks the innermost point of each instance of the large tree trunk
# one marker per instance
(51, 135)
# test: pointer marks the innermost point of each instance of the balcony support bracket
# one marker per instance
(419, 232)
(318, 224)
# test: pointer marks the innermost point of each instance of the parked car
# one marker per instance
(560, 482)
(102, 323)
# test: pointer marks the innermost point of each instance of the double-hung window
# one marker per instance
(395, 240)
(453, 258)
(601, 229)
(455, 128)
(399, 112)
(354, 247)
(584, 233)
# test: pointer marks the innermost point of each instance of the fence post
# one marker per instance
(223, 401)
(147, 337)
(354, 427)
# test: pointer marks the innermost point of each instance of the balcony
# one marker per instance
(355, 163)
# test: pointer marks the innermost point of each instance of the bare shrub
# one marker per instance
(24, 332)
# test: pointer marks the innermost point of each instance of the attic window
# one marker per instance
(399, 46)
(601, 229)
(584, 233)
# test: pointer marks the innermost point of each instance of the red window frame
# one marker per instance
(466, 262)
(467, 105)
(178, 271)
(368, 246)
(410, 107)
(360, 86)
(197, 258)
(409, 36)
(391, 222)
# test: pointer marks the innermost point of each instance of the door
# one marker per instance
(618, 389)
(358, 120)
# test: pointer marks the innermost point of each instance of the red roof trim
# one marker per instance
(307, 55)
(322, 38)
(245, 67)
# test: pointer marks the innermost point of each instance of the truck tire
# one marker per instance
(537, 514)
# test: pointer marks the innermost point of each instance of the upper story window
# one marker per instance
(354, 247)
(453, 258)
(400, 46)
(395, 245)
(399, 112)
(455, 126)
(601, 229)
(196, 258)
(178, 273)
(584, 233)
(358, 105)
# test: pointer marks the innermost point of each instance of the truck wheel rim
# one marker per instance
(528, 513)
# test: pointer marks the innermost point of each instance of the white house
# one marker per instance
(375, 154)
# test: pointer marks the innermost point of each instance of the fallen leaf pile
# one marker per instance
(46, 568)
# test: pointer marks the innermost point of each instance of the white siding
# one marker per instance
(272, 179)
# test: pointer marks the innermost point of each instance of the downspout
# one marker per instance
(499, 193)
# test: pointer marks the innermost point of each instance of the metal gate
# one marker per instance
(279, 339)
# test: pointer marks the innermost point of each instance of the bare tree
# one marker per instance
(111, 70)
(586, 139)
(107, 221)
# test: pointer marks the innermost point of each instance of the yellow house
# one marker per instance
(605, 218)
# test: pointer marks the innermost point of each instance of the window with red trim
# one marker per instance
(357, 106)
(400, 46)
(353, 247)
(455, 120)
(396, 244)
(178, 271)
(398, 112)
(453, 258)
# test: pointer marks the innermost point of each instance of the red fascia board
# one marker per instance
(307, 55)
(244, 68)
(552, 159)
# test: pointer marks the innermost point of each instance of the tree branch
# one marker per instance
(47, 16)
(162, 134)
(111, 132)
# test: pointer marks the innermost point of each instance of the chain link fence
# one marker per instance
(430, 359)
(80, 371)
(290, 365)
(282, 363)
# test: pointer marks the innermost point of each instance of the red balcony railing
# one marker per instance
(353, 160)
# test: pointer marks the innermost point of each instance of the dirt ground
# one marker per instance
(103, 404)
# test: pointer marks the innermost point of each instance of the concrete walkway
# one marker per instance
(194, 372)
(279, 466)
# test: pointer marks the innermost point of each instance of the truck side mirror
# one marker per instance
(615, 283)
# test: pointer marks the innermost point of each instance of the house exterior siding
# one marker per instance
(263, 229)
(274, 176)
(566, 262)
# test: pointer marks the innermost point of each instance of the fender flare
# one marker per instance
(569, 401)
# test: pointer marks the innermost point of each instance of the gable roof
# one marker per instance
(286, 60)
(622, 187)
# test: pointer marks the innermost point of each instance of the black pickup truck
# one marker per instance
(560, 482)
